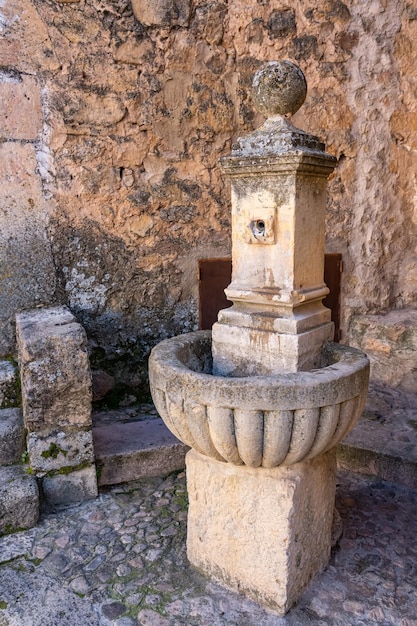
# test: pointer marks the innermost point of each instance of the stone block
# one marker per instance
(263, 532)
(134, 52)
(56, 379)
(9, 385)
(25, 42)
(76, 486)
(162, 12)
(21, 108)
(390, 342)
(52, 451)
(21, 188)
(243, 351)
(12, 436)
(93, 110)
(19, 499)
(282, 23)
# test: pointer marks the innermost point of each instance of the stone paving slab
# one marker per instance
(30, 599)
(121, 560)
(15, 545)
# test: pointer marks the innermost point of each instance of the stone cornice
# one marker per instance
(305, 161)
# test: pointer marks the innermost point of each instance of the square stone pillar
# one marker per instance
(278, 177)
(263, 532)
(56, 398)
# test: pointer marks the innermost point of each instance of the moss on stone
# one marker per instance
(25, 457)
(53, 451)
(10, 529)
(67, 469)
(99, 469)
(181, 498)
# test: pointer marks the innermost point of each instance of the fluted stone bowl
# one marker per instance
(257, 421)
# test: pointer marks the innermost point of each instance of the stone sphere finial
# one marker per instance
(278, 88)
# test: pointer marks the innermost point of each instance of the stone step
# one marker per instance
(384, 441)
(12, 436)
(127, 451)
(131, 444)
(19, 499)
(9, 385)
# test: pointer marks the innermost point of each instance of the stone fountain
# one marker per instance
(264, 399)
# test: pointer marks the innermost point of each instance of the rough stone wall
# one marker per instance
(129, 114)
(27, 275)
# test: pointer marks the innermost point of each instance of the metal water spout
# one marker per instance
(264, 406)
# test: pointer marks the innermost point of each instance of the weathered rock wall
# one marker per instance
(27, 275)
(116, 191)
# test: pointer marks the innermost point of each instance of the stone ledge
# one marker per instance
(384, 443)
(162, 12)
(374, 463)
(133, 450)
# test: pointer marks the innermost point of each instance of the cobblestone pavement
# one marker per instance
(120, 560)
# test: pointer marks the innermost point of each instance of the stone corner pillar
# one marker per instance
(56, 398)
(262, 532)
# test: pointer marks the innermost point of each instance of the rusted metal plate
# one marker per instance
(333, 267)
(214, 275)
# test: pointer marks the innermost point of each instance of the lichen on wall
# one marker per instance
(138, 100)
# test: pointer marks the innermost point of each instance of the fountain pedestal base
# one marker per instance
(242, 351)
(263, 532)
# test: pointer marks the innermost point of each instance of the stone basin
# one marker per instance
(258, 421)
